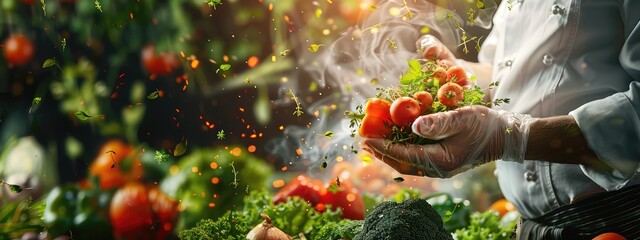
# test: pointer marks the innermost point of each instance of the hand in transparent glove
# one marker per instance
(432, 48)
(469, 136)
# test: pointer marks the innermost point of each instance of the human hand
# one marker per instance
(432, 48)
(468, 137)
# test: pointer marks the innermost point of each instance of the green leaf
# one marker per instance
(162, 156)
(328, 134)
(35, 101)
(82, 115)
(49, 63)
(224, 67)
(15, 188)
(180, 149)
(313, 47)
(153, 95)
(447, 216)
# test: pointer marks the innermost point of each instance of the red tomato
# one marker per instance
(374, 127)
(158, 63)
(301, 186)
(165, 210)
(609, 236)
(457, 75)
(378, 107)
(425, 100)
(404, 110)
(450, 94)
(439, 74)
(131, 213)
(502, 206)
(18, 49)
(116, 164)
(348, 198)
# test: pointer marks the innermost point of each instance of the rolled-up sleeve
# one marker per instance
(611, 125)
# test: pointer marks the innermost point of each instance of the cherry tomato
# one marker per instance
(374, 127)
(131, 213)
(450, 94)
(18, 49)
(158, 63)
(404, 110)
(301, 186)
(165, 211)
(116, 164)
(378, 107)
(439, 74)
(609, 236)
(502, 206)
(425, 100)
(348, 198)
(457, 75)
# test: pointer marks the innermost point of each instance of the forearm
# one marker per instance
(482, 71)
(559, 139)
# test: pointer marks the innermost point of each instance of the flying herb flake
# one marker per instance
(64, 44)
(180, 149)
(49, 63)
(220, 135)
(399, 179)
(298, 112)
(98, 6)
(372, 7)
(409, 14)
(338, 181)
(328, 134)
(213, 3)
(224, 67)
(313, 47)
(44, 10)
(392, 44)
(323, 165)
(471, 13)
(449, 214)
(153, 95)
(12, 187)
(480, 4)
(82, 115)
(425, 30)
(247, 80)
(36, 101)
(285, 52)
(235, 175)
(333, 188)
(162, 156)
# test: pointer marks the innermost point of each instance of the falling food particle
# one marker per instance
(182, 54)
(281, 128)
(131, 15)
(299, 151)
(215, 180)
(399, 179)
(211, 205)
(236, 152)
(366, 159)
(225, 58)
(324, 165)
(253, 61)
(195, 63)
(194, 169)
(284, 169)
(213, 165)
(251, 148)
(278, 183)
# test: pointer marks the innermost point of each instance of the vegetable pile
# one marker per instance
(429, 86)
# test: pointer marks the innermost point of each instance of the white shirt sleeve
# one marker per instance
(611, 125)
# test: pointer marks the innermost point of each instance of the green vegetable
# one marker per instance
(344, 229)
(294, 217)
(83, 212)
(193, 184)
(411, 219)
(455, 212)
(487, 225)
(20, 216)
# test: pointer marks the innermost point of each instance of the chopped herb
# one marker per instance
(15, 188)
(63, 43)
(98, 6)
(323, 165)
(49, 63)
(333, 188)
(328, 134)
(35, 101)
(313, 47)
(162, 156)
(82, 115)
(399, 179)
(224, 67)
(153, 95)
(298, 112)
(180, 149)
(220, 135)
(213, 3)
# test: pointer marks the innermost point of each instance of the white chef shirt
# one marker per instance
(577, 57)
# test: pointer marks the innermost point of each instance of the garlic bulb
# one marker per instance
(266, 231)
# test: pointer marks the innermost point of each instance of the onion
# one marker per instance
(266, 231)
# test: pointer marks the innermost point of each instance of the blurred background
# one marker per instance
(201, 101)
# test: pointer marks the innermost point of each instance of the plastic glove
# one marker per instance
(469, 136)
(432, 48)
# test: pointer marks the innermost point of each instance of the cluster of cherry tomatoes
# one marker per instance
(441, 79)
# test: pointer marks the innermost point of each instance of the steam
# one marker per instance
(367, 56)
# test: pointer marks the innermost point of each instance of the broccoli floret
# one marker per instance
(411, 219)
(230, 226)
(344, 229)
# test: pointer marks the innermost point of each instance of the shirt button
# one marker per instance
(547, 59)
(530, 176)
(556, 9)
